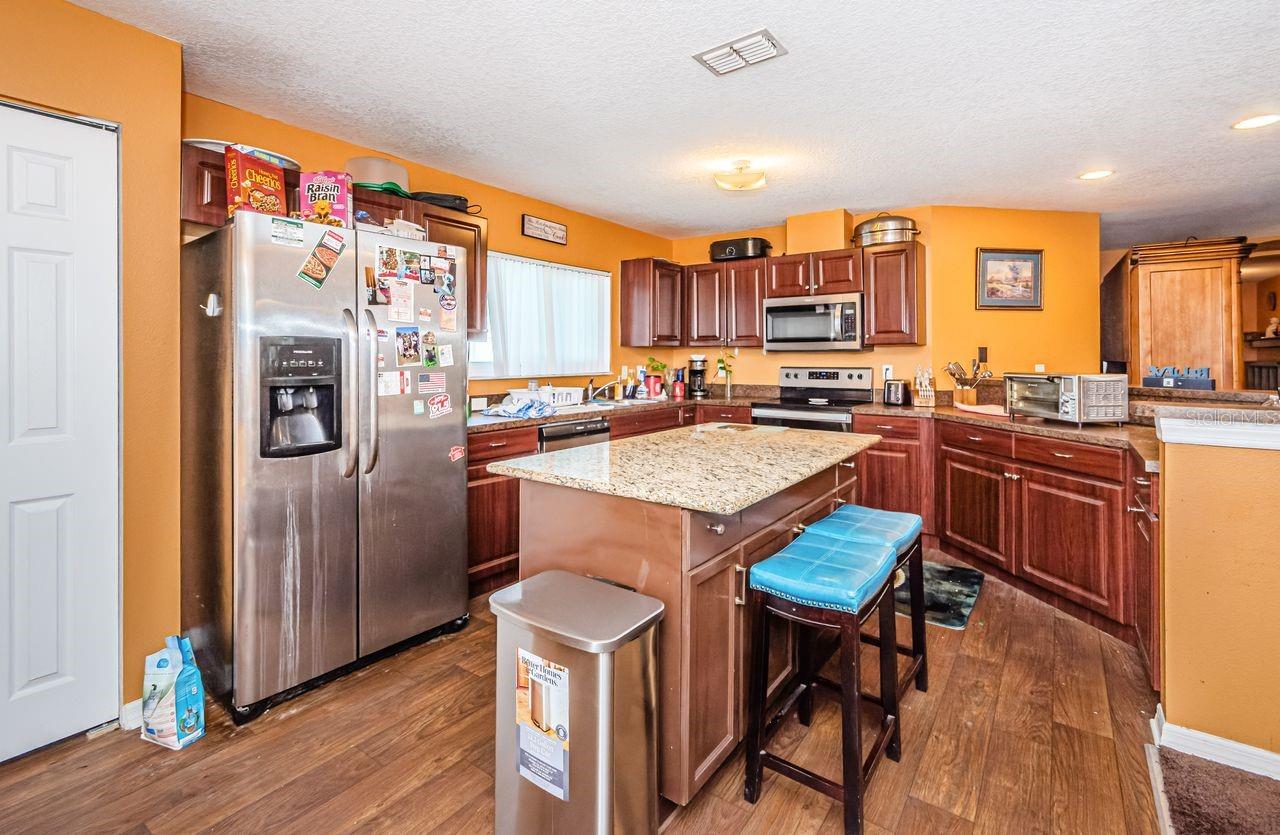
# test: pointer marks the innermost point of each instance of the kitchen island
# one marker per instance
(682, 515)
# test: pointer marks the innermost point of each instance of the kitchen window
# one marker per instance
(545, 320)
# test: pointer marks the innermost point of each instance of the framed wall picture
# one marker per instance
(546, 230)
(1010, 279)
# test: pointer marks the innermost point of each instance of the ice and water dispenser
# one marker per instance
(301, 395)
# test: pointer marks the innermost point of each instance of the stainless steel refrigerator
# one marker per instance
(323, 449)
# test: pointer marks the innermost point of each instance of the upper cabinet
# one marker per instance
(789, 275)
(651, 304)
(723, 303)
(837, 271)
(204, 202)
(894, 301)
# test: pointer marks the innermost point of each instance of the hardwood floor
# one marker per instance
(1034, 722)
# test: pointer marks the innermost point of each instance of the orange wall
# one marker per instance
(61, 57)
(593, 243)
(1220, 573)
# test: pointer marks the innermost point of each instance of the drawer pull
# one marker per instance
(495, 444)
(1142, 482)
(798, 529)
(726, 414)
(840, 502)
(1013, 476)
(974, 437)
(882, 426)
(1063, 455)
(717, 528)
(1138, 509)
(741, 599)
(853, 465)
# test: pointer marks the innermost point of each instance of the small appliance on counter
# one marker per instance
(1076, 398)
(897, 393)
(736, 248)
(816, 398)
(698, 377)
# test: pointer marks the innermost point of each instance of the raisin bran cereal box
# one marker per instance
(325, 197)
(253, 184)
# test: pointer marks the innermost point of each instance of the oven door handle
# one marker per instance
(785, 414)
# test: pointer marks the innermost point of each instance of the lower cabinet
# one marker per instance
(731, 414)
(1144, 551)
(493, 509)
(975, 505)
(640, 423)
(714, 620)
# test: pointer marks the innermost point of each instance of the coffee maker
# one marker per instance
(698, 377)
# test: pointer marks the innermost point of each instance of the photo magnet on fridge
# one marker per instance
(445, 353)
(430, 350)
(412, 265)
(449, 320)
(456, 452)
(401, 309)
(419, 407)
(408, 346)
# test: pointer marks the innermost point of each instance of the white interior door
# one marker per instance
(59, 429)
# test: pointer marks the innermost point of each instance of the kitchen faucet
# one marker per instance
(593, 392)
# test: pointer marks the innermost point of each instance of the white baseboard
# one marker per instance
(131, 715)
(1215, 748)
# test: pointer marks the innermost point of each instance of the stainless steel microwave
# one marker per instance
(814, 323)
(1079, 398)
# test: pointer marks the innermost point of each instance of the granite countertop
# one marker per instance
(485, 423)
(718, 468)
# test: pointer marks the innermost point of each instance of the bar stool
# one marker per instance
(820, 582)
(900, 531)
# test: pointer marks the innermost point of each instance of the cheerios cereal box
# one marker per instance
(253, 184)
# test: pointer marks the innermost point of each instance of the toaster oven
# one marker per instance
(1078, 398)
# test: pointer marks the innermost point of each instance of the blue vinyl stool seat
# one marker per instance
(821, 583)
(868, 524)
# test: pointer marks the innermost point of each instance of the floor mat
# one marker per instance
(1207, 797)
(949, 594)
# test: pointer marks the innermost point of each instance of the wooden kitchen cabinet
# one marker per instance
(789, 275)
(493, 509)
(1144, 551)
(203, 180)
(976, 505)
(837, 271)
(704, 304)
(714, 620)
(894, 301)
(640, 423)
(727, 414)
(651, 306)
(723, 303)
(1071, 538)
(897, 473)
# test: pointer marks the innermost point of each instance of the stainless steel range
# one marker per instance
(816, 398)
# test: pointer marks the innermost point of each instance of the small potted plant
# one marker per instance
(657, 376)
(725, 369)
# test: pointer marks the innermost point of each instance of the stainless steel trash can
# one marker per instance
(577, 722)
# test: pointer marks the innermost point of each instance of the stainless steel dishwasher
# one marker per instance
(571, 433)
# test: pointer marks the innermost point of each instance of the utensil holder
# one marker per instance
(968, 397)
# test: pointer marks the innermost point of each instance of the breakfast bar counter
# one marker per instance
(682, 515)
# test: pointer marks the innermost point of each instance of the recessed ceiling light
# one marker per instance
(741, 178)
(1097, 174)
(1257, 121)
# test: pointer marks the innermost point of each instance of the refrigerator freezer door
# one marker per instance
(294, 517)
(413, 514)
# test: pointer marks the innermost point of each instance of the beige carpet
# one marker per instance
(1208, 798)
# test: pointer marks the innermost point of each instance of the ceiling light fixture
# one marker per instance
(741, 178)
(1097, 174)
(1257, 121)
(749, 49)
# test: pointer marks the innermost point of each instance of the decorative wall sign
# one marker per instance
(1010, 279)
(547, 230)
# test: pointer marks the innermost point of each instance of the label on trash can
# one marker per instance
(542, 723)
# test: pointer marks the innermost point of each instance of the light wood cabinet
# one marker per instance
(1184, 308)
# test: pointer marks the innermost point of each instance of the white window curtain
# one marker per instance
(544, 319)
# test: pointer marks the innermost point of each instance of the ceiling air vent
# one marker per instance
(749, 49)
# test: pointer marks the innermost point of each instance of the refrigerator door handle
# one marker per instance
(353, 387)
(373, 393)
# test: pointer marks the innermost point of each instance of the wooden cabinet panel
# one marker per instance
(719, 414)
(744, 283)
(1071, 538)
(782, 633)
(837, 271)
(204, 186)
(976, 438)
(1087, 459)
(1144, 552)
(650, 307)
(977, 507)
(639, 423)
(493, 509)
(501, 443)
(704, 304)
(894, 295)
(891, 476)
(887, 426)
(789, 275)
(713, 626)
(668, 309)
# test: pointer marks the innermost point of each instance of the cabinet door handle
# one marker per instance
(1138, 509)
(1012, 476)
(741, 599)
(1063, 455)
(1143, 482)
(798, 528)
(882, 426)
(974, 437)
(853, 465)
(840, 502)
(496, 444)
(717, 528)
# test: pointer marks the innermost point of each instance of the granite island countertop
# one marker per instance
(718, 468)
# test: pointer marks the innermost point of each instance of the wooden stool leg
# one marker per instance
(889, 673)
(918, 647)
(804, 651)
(757, 684)
(851, 730)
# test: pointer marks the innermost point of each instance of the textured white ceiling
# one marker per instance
(598, 106)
